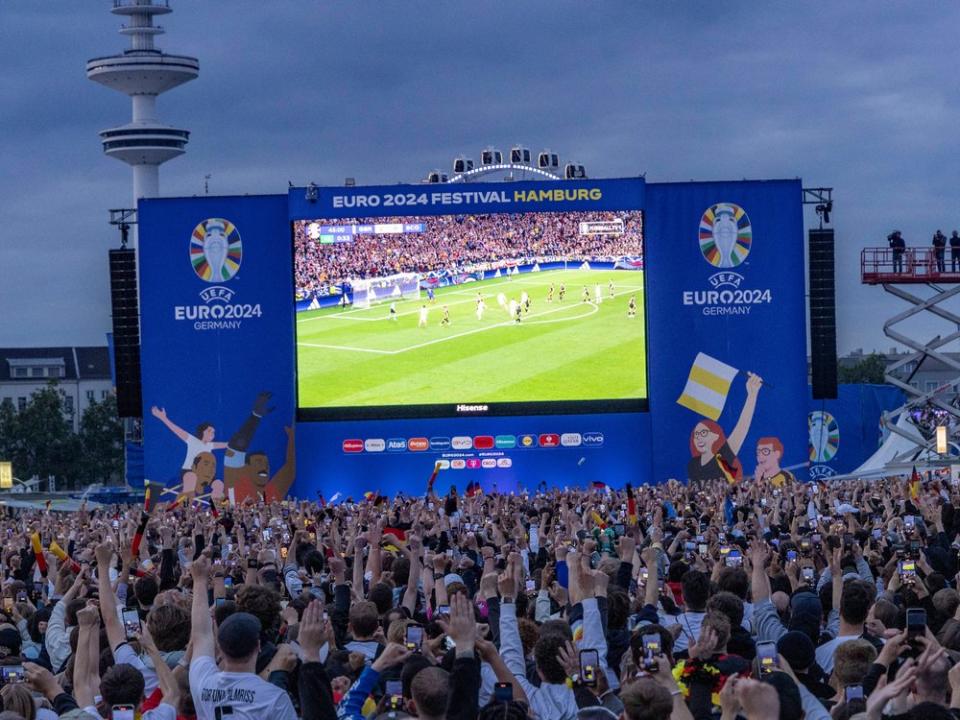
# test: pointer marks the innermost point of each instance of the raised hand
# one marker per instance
(393, 654)
(462, 626)
(311, 632)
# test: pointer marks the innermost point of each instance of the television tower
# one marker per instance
(143, 72)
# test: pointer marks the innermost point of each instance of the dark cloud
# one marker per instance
(858, 95)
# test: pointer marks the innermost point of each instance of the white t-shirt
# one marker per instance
(247, 696)
(825, 652)
(195, 446)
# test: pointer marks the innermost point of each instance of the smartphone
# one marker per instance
(413, 638)
(11, 674)
(877, 534)
(908, 522)
(267, 534)
(791, 555)
(502, 692)
(703, 549)
(394, 689)
(651, 650)
(22, 596)
(807, 574)
(531, 586)
(283, 552)
(8, 603)
(122, 712)
(916, 622)
(908, 571)
(619, 529)
(252, 563)
(589, 667)
(767, 659)
(131, 623)
(219, 602)
(853, 692)
(734, 559)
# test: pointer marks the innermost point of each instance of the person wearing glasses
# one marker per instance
(713, 455)
(769, 454)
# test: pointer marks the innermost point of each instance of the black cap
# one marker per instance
(239, 635)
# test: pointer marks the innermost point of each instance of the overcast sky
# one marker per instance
(861, 96)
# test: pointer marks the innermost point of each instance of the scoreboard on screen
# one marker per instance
(673, 295)
(330, 234)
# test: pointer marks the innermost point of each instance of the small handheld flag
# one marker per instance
(433, 477)
(707, 386)
(38, 553)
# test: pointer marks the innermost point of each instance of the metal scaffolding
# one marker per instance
(916, 266)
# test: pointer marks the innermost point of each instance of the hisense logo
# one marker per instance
(472, 408)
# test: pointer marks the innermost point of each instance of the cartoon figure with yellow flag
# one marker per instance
(713, 455)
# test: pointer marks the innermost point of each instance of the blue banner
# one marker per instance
(725, 298)
(217, 344)
(845, 432)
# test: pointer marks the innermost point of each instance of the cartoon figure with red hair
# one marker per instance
(712, 454)
(769, 455)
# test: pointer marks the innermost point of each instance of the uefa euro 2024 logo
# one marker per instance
(215, 250)
(215, 256)
(725, 235)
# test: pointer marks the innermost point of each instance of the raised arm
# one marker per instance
(415, 546)
(168, 683)
(282, 481)
(86, 675)
(201, 625)
(161, 415)
(108, 601)
(739, 434)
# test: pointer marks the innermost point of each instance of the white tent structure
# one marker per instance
(898, 455)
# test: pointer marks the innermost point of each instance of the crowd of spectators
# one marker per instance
(671, 601)
(459, 243)
(928, 418)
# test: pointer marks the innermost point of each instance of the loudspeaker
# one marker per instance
(823, 315)
(126, 331)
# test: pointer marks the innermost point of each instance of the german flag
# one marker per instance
(473, 489)
(38, 553)
(729, 472)
(138, 536)
(151, 495)
(62, 556)
(598, 521)
(631, 506)
(598, 485)
(914, 485)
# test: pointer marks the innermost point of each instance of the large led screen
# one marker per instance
(506, 313)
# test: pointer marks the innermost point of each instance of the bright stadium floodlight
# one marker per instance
(312, 193)
(941, 440)
(6, 475)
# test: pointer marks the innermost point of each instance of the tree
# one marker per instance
(47, 445)
(869, 370)
(9, 434)
(101, 443)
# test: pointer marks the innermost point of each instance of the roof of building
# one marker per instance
(79, 363)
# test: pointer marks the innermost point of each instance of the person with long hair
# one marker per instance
(713, 455)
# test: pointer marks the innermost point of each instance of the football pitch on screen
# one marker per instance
(567, 350)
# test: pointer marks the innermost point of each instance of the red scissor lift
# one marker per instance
(918, 266)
